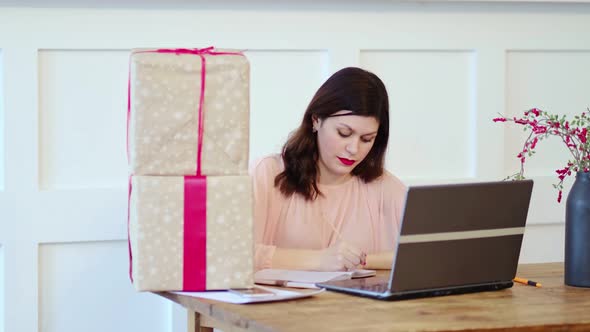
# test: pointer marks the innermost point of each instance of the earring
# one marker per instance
(314, 129)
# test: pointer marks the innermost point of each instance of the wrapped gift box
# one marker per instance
(191, 233)
(168, 113)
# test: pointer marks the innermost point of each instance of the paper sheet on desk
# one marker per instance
(305, 279)
(224, 296)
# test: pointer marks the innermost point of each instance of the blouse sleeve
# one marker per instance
(394, 197)
(263, 174)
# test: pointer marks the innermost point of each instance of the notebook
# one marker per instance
(305, 279)
(454, 238)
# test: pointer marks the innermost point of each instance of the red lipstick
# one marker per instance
(345, 161)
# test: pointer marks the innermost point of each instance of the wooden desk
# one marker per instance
(554, 307)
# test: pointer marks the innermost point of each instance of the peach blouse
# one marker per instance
(367, 215)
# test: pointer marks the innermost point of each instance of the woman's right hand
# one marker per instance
(341, 256)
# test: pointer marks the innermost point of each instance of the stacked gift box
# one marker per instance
(190, 198)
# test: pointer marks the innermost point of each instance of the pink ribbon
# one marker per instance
(128, 241)
(194, 275)
(195, 187)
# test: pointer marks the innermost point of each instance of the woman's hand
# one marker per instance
(341, 256)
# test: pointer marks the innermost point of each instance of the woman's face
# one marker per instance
(343, 142)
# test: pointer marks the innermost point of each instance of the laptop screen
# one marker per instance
(460, 234)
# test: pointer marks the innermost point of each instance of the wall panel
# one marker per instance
(283, 83)
(432, 110)
(84, 286)
(82, 112)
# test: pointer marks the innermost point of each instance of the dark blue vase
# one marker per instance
(577, 233)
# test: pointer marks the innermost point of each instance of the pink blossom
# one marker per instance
(540, 130)
(534, 143)
(543, 125)
(582, 135)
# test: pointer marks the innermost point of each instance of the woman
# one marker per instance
(326, 203)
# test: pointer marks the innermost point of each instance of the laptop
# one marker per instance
(454, 239)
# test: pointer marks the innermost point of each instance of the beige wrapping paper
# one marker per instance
(156, 232)
(165, 90)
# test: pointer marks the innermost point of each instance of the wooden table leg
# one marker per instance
(194, 323)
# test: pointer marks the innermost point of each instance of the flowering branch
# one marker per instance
(573, 134)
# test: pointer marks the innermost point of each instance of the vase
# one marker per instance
(577, 233)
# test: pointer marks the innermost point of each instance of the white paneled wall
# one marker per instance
(556, 81)
(68, 279)
(1, 122)
(2, 285)
(449, 69)
(283, 83)
(78, 154)
(3, 220)
(433, 110)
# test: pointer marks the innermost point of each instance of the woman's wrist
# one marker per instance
(379, 261)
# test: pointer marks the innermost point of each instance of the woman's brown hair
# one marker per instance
(352, 89)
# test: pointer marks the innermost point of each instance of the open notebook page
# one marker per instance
(305, 279)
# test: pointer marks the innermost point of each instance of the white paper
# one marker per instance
(225, 296)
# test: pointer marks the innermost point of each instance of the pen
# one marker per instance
(527, 282)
